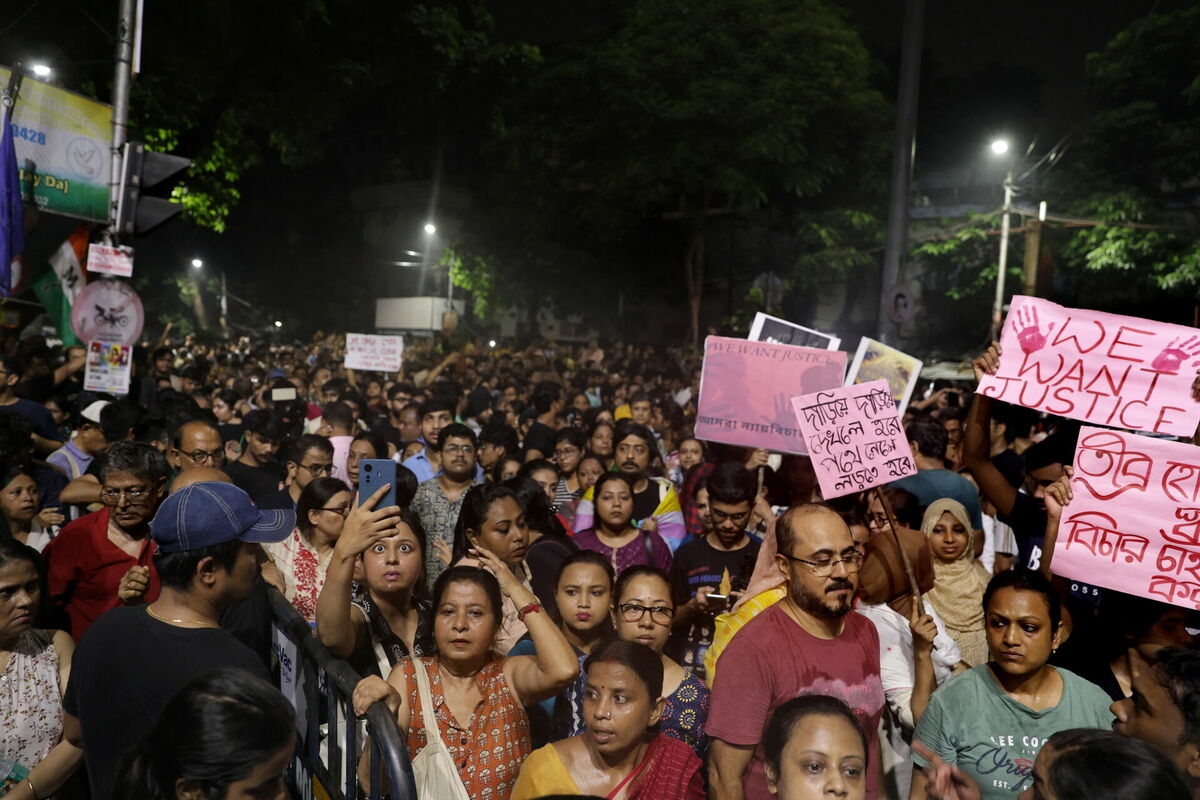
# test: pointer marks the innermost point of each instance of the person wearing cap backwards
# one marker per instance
(88, 560)
(135, 658)
(88, 441)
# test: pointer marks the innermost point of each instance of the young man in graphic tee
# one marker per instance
(718, 563)
(810, 642)
(135, 658)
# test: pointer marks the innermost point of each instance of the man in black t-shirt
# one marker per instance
(547, 404)
(256, 472)
(722, 559)
(135, 658)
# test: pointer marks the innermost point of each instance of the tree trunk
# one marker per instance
(693, 272)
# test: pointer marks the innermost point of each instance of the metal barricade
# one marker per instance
(320, 687)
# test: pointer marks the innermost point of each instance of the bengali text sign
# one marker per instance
(374, 353)
(746, 391)
(854, 437)
(1101, 368)
(1133, 523)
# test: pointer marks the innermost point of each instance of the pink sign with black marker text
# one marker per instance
(1133, 523)
(854, 437)
(1105, 369)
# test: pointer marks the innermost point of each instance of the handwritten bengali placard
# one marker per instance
(373, 353)
(746, 391)
(854, 437)
(1133, 524)
(1106, 369)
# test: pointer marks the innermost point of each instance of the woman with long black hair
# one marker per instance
(226, 734)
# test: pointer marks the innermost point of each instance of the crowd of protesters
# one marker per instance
(570, 595)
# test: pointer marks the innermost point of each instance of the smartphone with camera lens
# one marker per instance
(373, 473)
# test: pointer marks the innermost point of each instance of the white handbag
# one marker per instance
(433, 768)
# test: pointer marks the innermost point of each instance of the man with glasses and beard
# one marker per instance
(808, 643)
(91, 564)
(439, 500)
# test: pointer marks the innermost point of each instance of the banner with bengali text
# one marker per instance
(854, 437)
(1133, 523)
(746, 391)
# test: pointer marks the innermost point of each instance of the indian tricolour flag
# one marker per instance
(59, 284)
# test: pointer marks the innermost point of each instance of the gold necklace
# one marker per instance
(201, 623)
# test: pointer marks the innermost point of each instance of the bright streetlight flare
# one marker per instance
(492, 343)
(197, 263)
(430, 227)
(1000, 146)
(278, 324)
(41, 70)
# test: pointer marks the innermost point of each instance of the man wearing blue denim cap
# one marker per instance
(135, 658)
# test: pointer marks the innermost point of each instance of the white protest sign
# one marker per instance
(107, 368)
(779, 331)
(110, 260)
(365, 351)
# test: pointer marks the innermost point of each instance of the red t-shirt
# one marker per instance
(772, 660)
(84, 570)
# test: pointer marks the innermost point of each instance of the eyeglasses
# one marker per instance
(200, 456)
(566, 452)
(720, 516)
(823, 569)
(342, 510)
(633, 612)
(457, 449)
(317, 469)
(135, 495)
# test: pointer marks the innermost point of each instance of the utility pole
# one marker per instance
(224, 307)
(120, 100)
(998, 303)
(903, 149)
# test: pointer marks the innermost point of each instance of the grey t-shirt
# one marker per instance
(971, 722)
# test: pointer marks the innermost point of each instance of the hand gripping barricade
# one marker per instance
(320, 688)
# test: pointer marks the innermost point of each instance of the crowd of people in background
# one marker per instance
(565, 594)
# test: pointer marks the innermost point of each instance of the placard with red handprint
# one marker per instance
(1106, 369)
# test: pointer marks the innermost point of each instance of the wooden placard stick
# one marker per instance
(908, 567)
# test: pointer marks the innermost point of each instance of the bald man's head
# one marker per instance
(197, 443)
(196, 475)
(797, 520)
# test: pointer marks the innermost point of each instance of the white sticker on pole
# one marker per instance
(110, 260)
(365, 351)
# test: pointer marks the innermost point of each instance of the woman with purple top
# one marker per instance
(613, 536)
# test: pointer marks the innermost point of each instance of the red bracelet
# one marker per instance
(529, 609)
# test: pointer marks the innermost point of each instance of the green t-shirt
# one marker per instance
(971, 722)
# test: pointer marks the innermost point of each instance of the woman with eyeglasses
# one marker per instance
(303, 557)
(644, 612)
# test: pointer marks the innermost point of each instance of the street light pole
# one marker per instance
(998, 304)
(120, 101)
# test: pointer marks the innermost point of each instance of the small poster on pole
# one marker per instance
(108, 368)
(365, 351)
(110, 260)
(854, 437)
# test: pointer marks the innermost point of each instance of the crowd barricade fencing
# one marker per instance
(320, 687)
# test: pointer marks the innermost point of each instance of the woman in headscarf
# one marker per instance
(958, 579)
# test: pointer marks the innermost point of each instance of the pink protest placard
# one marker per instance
(1101, 368)
(746, 391)
(373, 353)
(1133, 523)
(854, 437)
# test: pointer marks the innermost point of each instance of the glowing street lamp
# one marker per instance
(40, 70)
(197, 263)
(430, 228)
(1000, 146)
